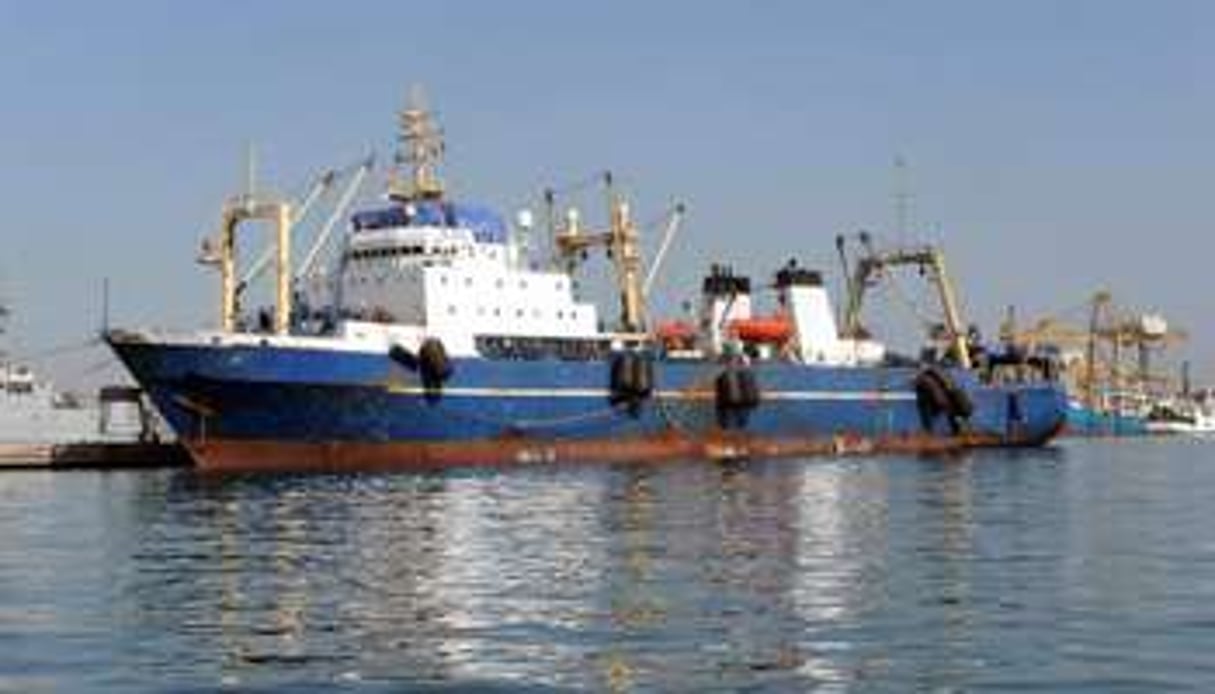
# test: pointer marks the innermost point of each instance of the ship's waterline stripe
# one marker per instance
(661, 394)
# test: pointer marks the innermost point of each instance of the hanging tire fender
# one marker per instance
(936, 388)
(930, 391)
(433, 363)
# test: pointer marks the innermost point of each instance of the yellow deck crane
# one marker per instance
(930, 261)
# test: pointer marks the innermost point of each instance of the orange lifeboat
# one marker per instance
(675, 334)
(772, 329)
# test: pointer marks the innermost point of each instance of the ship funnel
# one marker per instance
(725, 298)
(805, 299)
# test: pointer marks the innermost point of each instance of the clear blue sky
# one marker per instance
(1054, 147)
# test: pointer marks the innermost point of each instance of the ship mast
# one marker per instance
(421, 150)
(4, 314)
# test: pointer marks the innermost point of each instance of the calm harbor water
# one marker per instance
(1089, 567)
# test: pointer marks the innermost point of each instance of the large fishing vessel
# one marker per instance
(435, 339)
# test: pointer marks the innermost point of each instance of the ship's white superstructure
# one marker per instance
(455, 286)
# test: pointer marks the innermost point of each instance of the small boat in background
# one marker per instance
(1190, 416)
(31, 410)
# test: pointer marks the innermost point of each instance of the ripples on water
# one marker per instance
(1088, 567)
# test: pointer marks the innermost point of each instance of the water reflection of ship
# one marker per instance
(431, 578)
(604, 578)
(770, 560)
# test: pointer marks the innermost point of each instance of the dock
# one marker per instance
(97, 455)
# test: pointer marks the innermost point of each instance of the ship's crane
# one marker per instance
(872, 264)
(620, 241)
(255, 206)
(674, 220)
(339, 211)
(322, 184)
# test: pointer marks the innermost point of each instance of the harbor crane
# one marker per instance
(1111, 338)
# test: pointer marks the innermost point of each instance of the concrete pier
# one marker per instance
(92, 455)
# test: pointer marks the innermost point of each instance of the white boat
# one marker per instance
(32, 411)
(1182, 416)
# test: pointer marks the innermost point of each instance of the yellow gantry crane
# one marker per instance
(1112, 354)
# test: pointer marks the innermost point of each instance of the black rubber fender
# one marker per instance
(641, 376)
(433, 361)
(957, 401)
(434, 368)
(736, 394)
(932, 392)
(631, 380)
(749, 386)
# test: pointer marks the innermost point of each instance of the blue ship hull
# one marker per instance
(290, 407)
(1084, 421)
